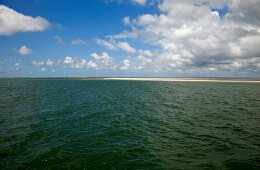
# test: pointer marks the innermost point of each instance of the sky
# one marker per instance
(130, 38)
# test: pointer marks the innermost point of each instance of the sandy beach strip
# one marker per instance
(228, 80)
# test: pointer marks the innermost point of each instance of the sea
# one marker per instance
(77, 123)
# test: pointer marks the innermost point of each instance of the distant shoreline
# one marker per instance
(228, 80)
(158, 79)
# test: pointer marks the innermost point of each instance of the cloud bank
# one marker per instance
(196, 36)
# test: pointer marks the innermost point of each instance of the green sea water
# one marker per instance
(101, 124)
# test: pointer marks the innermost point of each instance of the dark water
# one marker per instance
(95, 124)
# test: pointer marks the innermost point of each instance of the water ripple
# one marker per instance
(94, 124)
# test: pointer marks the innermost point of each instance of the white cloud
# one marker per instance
(98, 62)
(145, 53)
(107, 44)
(12, 22)
(126, 64)
(143, 61)
(188, 36)
(133, 34)
(111, 44)
(43, 65)
(126, 47)
(49, 62)
(78, 42)
(136, 2)
(126, 20)
(24, 50)
(93, 65)
(81, 63)
(68, 60)
(75, 63)
(140, 2)
(103, 61)
(38, 64)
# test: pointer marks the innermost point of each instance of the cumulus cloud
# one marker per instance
(98, 62)
(143, 61)
(24, 50)
(49, 62)
(92, 64)
(188, 36)
(111, 44)
(43, 64)
(12, 22)
(75, 62)
(103, 61)
(78, 42)
(126, 64)
(68, 60)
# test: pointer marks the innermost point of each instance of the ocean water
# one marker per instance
(101, 124)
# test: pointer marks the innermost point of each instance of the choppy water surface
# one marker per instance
(96, 124)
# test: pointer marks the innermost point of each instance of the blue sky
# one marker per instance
(53, 38)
